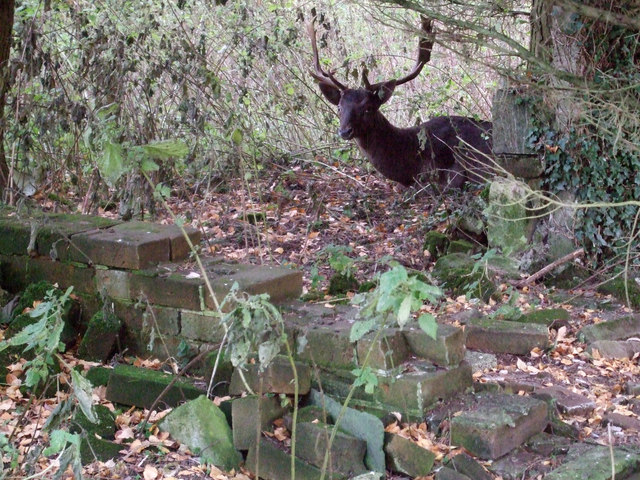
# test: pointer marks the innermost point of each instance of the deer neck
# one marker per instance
(393, 151)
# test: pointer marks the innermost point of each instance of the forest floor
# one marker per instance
(289, 218)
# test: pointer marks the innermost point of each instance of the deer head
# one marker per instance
(357, 108)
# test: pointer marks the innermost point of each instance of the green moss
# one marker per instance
(99, 376)
(104, 427)
(34, 292)
(460, 246)
(340, 284)
(436, 243)
(616, 287)
(455, 271)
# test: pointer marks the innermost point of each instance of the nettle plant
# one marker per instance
(392, 303)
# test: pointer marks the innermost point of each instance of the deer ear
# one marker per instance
(330, 92)
(385, 91)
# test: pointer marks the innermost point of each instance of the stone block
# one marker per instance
(619, 288)
(519, 464)
(327, 347)
(280, 283)
(15, 235)
(100, 338)
(456, 272)
(149, 330)
(18, 271)
(498, 423)
(414, 391)
(361, 425)
(97, 449)
(277, 377)
(203, 326)
(547, 444)
(405, 456)
(512, 120)
(131, 385)
(99, 376)
(616, 329)
(346, 453)
(132, 245)
(274, 463)
(251, 415)
(566, 400)
(203, 427)
(114, 284)
(56, 230)
(623, 421)
(446, 349)
(167, 286)
(105, 427)
(507, 224)
(615, 348)
(499, 336)
(389, 351)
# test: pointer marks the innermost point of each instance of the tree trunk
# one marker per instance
(6, 28)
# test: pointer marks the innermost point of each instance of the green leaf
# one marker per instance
(149, 165)
(236, 136)
(360, 329)
(427, 323)
(58, 440)
(111, 164)
(404, 311)
(166, 149)
(82, 391)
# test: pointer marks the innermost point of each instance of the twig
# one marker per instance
(543, 271)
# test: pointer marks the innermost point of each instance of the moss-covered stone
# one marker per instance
(507, 224)
(436, 243)
(97, 449)
(546, 316)
(456, 271)
(405, 456)
(100, 338)
(460, 246)
(131, 385)
(34, 292)
(595, 463)
(99, 376)
(616, 287)
(202, 426)
(340, 284)
(105, 427)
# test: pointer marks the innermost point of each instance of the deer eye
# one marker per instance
(367, 111)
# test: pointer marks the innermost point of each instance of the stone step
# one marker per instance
(617, 329)
(500, 336)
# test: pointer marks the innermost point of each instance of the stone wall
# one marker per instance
(140, 270)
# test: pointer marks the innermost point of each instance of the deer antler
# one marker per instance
(320, 75)
(425, 45)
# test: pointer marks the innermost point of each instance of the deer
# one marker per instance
(453, 149)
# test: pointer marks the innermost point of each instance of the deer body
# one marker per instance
(455, 149)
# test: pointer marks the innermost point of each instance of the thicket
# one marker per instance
(199, 92)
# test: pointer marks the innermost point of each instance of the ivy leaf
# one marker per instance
(236, 137)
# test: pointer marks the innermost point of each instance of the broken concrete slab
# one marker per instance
(519, 464)
(131, 385)
(626, 422)
(359, 424)
(447, 349)
(346, 453)
(480, 361)
(277, 377)
(500, 336)
(446, 473)
(498, 423)
(615, 348)
(594, 463)
(405, 456)
(202, 426)
(567, 401)
(252, 415)
(616, 329)
(468, 466)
